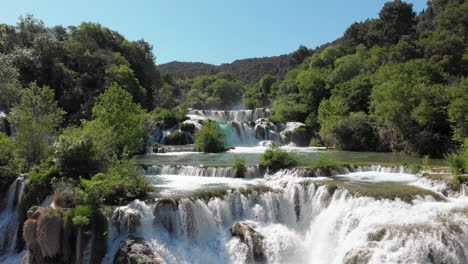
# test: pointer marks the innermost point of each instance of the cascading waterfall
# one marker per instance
(251, 172)
(241, 127)
(9, 220)
(299, 222)
(250, 115)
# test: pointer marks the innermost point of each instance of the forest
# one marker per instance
(81, 101)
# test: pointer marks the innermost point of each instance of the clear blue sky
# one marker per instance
(211, 31)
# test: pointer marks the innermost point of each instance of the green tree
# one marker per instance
(117, 111)
(36, 118)
(458, 110)
(210, 138)
(10, 88)
(330, 115)
(398, 19)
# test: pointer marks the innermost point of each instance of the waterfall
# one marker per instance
(250, 115)
(299, 223)
(9, 219)
(251, 172)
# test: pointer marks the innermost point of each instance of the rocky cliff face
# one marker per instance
(50, 238)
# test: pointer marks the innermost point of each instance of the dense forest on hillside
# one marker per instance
(78, 103)
(246, 70)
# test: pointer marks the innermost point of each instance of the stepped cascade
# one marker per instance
(301, 220)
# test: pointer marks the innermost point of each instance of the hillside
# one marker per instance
(246, 70)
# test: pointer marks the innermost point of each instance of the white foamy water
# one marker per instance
(373, 176)
(174, 185)
(9, 223)
(302, 221)
(262, 149)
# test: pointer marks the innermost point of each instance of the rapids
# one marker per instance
(301, 220)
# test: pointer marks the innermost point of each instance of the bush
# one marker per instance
(187, 127)
(456, 162)
(84, 215)
(355, 133)
(210, 139)
(38, 186)
(6, 149)
(275, 159)
(122, 182)
(176, 138)
(165, 118)
(77, 156)
(239, 165)
(155, 145)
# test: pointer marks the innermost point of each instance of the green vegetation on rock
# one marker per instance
(210, 138)
(275, 159)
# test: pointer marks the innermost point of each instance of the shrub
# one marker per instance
(6, 149)
(77, 156)
(210, 139)
(315, 142)
(155, 145)
(239, 165)
(456, 162)
(187, 127)
(121, 183)
(38, 186)
(84, 214)
(176, 138)
(165, 118)
(275, 159)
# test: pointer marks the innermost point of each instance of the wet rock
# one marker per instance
(135, 250)
(127, 220)
(48, 233)
(252, 238)
(165, 213)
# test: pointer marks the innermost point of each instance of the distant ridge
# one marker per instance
(246, 70)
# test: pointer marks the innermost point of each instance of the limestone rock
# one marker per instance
(135, 250)
(252, 238)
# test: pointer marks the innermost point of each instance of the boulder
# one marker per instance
(165, 213)
(252, 238)
(135, 250)
(48, 233)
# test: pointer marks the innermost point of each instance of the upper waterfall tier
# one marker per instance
(250, 115)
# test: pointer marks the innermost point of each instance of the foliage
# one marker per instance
(77, 154)
(220, 92)
(6, 149)
(177, 138)
(38, 186)
(258, 94)
(330, 115)
(117, 111)
(356, 132)
(187, 127)
(164, 118)
(121, 183)
(10, 88)
(156, 145)
(239, 165)
(36, 117)
(210, 138)
(83, 215)
(275, 159)
(458, 110)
